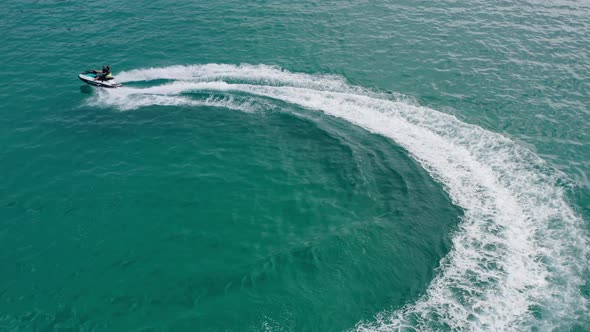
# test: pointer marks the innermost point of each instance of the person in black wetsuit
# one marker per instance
(105, 74)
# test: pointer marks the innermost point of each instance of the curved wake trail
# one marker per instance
(518, 257)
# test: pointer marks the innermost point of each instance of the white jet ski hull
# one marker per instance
(90, 78)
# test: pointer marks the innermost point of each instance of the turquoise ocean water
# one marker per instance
(295, 166)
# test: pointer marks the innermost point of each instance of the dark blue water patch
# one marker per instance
(210, 213)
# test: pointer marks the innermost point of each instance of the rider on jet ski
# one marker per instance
(104, 74)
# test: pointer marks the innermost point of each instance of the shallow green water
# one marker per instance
(314, 166)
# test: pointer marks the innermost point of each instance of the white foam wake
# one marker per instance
(518, 257)
(125, 99)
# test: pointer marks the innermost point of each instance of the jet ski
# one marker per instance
(91, 77)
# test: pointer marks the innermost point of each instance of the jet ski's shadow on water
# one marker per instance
(85, 89)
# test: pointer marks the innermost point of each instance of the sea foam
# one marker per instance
(519, 255)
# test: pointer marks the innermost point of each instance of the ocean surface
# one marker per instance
(295, 166)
